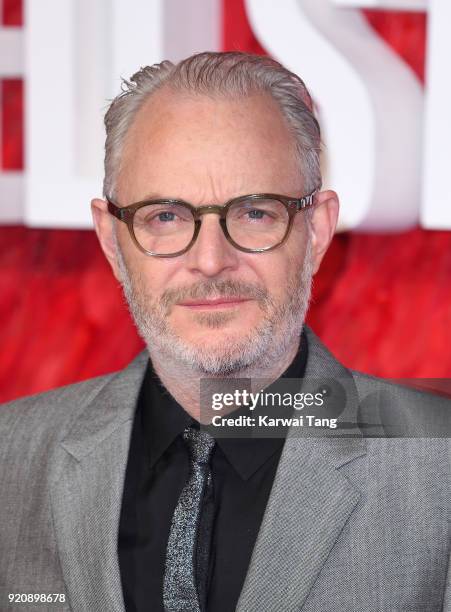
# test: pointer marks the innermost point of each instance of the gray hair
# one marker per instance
(232, 73)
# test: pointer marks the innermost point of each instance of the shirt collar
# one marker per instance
(163, 419)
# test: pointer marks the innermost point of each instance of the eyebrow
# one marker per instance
(158, 196)
(155, 196)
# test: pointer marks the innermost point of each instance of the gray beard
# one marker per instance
(261, 348)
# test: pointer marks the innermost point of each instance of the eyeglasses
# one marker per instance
(252, 223)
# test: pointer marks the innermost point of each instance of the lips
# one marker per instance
(219, 301)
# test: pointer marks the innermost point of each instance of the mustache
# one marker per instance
(213, 288)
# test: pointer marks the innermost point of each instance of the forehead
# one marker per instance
(204, 147)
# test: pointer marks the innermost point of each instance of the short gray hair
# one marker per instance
(232, 73)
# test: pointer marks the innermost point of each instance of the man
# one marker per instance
(114, 497)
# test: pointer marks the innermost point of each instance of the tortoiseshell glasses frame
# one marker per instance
(292, 206)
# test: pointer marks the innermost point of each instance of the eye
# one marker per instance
(263, 213)
(256, 213)
(164, 216)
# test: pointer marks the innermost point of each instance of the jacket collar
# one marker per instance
(112, 407)
(86, 492)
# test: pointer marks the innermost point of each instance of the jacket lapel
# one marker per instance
(87, 492)
(309, 505)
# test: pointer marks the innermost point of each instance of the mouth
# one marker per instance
(214, 303)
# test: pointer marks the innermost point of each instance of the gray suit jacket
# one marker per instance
(352, 524)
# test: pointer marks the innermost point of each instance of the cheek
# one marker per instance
(157, 278)
(296, 245)
(147, 273)
(286, 271)
(273, 272)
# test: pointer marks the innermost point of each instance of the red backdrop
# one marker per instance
(381, 302)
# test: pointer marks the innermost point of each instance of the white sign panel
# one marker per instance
(11, 183)
(76, 52)
(436, 193)
(372, 137)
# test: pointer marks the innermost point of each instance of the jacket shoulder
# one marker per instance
(25, 421)
(402, 410)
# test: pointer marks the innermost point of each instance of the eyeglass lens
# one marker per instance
(252, 224)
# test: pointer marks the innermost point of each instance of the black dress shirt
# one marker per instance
(243, 471)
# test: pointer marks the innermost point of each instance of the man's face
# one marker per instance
(214, 308)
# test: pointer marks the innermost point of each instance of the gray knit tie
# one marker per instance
(180, 592)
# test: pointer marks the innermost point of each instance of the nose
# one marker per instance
(211, 254)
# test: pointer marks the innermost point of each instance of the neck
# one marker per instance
(183, 381)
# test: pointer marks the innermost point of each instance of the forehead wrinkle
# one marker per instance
(220, 191)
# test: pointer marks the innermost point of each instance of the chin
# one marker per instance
(217, 337)
(216, 352)
(202, 324)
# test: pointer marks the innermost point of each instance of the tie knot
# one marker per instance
(200, 444)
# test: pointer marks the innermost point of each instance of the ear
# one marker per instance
(104, 226)
(323, 223)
